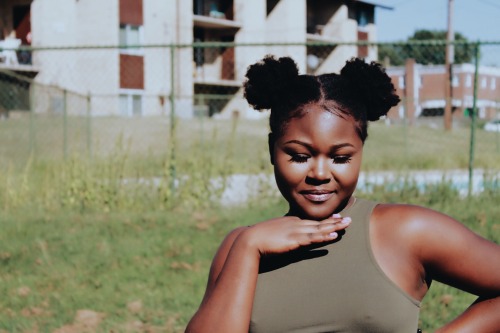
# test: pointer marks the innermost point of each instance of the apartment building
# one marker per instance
(422, 88)
(136, 78)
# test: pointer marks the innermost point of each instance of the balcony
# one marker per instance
(209, 22)
(15, 58)
(215, 14)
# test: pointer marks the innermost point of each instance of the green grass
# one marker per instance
(241, 145)
(104, 261)
(82, 233)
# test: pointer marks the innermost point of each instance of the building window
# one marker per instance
(401, 82)
(131, 58)
(455, 81)
(362, 18)
(362, 13)
(493, 83)
(468, 80)
(484, 83)
(130, 104)
(130, 35)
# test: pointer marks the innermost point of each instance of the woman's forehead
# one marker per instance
(316, 123)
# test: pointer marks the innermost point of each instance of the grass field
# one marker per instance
(147, 143)
(146, 272)
(83, 248)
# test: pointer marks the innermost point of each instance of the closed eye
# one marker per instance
(299, 158)
(341, 159)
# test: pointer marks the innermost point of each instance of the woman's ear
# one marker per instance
(270, 142)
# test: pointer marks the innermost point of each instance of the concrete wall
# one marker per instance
(97, 71)
(287, 24)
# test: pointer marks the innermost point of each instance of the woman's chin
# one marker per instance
(316, 215)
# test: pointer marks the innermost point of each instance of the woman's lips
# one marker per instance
(317, 196)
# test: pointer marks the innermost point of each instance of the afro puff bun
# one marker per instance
(372, 87)
(276, 84)
(268, 80)
(362, 90)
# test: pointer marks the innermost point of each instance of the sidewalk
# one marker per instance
(240, 187)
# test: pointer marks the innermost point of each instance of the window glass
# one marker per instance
(137, 105)
(133, 37)
(362, 18)
(124, 105)
(483, 82)
(468, 80)
(123, 35)
(130, 35)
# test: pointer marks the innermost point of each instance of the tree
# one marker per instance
(426, 53)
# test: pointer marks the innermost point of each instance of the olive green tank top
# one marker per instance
(338, 287)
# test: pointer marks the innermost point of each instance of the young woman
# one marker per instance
(336, 263)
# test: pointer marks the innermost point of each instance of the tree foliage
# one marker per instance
(426, 53)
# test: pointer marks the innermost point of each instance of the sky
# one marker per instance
(475, 19)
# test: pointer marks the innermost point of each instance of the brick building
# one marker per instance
(422, 88)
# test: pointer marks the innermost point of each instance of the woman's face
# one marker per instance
(317, 162)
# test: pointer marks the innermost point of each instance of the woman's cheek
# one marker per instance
(296, 172)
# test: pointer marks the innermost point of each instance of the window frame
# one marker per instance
(129, 94)
(127, 28)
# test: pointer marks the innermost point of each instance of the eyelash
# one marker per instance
(299, 158)
(302, 158)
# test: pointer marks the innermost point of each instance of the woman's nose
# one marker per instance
(320, 169)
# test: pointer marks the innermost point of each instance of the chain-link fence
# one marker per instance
(85, 101)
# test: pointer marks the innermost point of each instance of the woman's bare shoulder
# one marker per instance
(421, 229)
(222, 253)
(411, 216)
(450, 251)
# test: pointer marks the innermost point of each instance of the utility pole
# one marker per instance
(450, 55)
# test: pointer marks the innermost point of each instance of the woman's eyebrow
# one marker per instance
(310, 147)
(298, 142)
(341, 145)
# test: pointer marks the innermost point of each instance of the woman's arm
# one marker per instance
(227, 304)
(453, 254)
(482, 316)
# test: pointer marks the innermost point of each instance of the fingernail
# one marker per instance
(333, 234)
(346, 220)
(336, 215)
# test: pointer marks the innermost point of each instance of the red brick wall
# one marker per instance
(131, 12)
(362, 49)
(131, 71)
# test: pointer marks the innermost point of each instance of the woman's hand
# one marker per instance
(288, 233)
(227, 304)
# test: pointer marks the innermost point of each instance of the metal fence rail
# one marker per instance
(61, 102)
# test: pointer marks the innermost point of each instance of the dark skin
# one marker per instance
(316, 163)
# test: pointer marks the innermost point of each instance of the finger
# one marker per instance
(324, 228)
(344, 220)
(324, 236)
(321, 233)
(311, 238)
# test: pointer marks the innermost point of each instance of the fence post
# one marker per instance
(89, 127)
(172, 119)
(32, 118)
(65, 124)
(473, 118)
